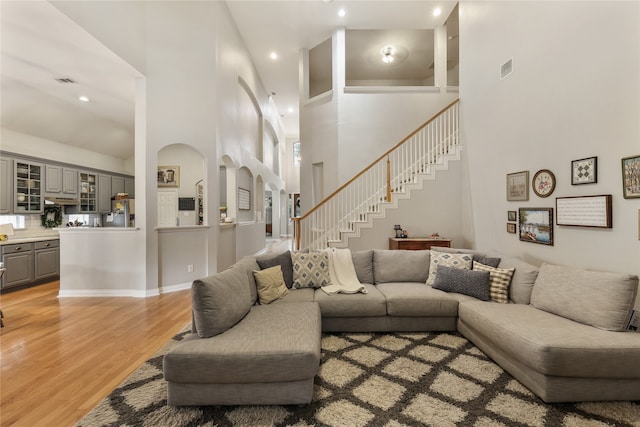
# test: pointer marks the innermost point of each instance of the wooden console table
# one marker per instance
(417, 243)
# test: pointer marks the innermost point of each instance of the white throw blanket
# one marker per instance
(342, 273)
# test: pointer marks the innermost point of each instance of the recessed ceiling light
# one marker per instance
(437, 11)
(290, 109)
(342, 12)
(83, 98)
(273, 55)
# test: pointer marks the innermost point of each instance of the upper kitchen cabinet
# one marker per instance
(104, 193)
(27, 187)
(117, 185)
(88, 192)
(6, 186)
(130, 187)
(61, 181)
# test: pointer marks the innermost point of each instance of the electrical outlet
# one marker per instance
(190, 268)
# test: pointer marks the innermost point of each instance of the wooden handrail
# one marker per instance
(329, 197)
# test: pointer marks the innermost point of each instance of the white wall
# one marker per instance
(192, 58)
(436, 208)
(574, 93)
(20, 143)
(347, 131)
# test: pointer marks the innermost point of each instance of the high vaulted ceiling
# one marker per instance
(40, 45)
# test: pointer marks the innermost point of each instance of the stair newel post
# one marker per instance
(296, 231)
(388, 179)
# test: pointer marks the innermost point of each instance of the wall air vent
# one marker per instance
(66, 80)
(506, 69)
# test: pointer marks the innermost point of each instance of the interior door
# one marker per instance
(167, 208)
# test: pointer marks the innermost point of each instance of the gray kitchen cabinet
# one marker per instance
(88, 192)
(117, 185)
(28, 187)
(46, 260)
(6, 186)
(30, 263)
(130, 187)
(104, 193)
(60, 181)
(18, 261)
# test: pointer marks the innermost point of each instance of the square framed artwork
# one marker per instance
(512, 216)
(584, 171)
(168, 176)
(631, 177)
(536, 225)
(518, 186)
(511, 228)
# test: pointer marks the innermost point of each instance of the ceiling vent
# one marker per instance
(66, 80)
(506, 69)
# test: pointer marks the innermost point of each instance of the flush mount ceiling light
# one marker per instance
(83, 98)
(387, 55)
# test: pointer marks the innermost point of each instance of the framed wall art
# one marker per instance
(584, 211)
(584, 171)
(511, 228)
(512, 216)
(536, 225)
(168, 176)
(518, 186)
(631, 177)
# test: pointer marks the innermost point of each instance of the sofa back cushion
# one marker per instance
(363, 263)
(283, 260)
(595, 298)
(220, 301)
(400, 266)
(249, 264)
(524, 276)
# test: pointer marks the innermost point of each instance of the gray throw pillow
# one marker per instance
(285, 263)
(491, 262)
(220, 301)
(463, 281)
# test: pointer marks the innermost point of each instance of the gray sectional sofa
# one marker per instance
(560, 332)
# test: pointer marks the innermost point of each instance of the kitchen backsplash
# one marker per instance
(33, 225)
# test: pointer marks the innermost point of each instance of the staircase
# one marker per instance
(378, 187)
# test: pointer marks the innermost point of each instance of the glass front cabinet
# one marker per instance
(28, 187)
(88, 192)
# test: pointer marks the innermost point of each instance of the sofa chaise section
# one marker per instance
(270, 357)
(558, 359)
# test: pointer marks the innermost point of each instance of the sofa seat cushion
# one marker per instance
(596, 298)
(271, 344)
(370, 304)
(553, 345)
(417, 299)
(299, 295)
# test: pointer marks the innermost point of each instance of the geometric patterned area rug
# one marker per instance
(387, 380)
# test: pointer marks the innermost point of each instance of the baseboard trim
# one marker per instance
(131, 293)
(175, 288)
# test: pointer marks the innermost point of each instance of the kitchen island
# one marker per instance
(102, 261)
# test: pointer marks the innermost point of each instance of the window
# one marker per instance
(296, 154)
(18, 221)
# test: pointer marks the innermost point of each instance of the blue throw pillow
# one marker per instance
(469, 282)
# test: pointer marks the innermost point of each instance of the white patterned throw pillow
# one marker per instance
(310, 270)
(499, 281)
(448, 260)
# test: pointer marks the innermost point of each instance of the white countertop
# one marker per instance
(96, 229)
(13, 240)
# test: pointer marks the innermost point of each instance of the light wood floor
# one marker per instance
(60, 356)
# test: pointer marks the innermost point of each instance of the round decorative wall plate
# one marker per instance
(544, 182)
